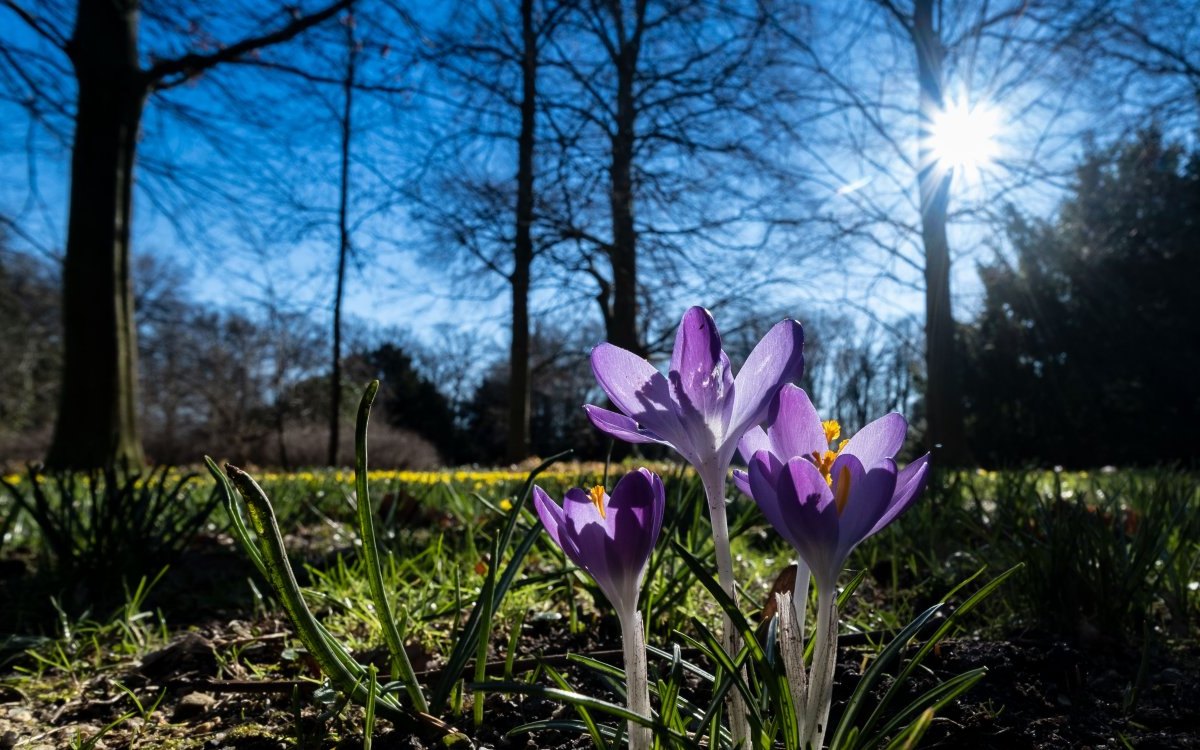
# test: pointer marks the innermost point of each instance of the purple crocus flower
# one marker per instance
(699, 408)
(826, 500)
(612, 538)
(609, 537)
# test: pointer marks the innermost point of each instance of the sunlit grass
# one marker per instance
(1126, 539)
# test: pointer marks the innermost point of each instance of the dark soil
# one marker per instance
(1040, 692)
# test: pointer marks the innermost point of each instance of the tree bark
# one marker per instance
(335, 377)
(621, 320)
(97, 417)
(518, 382)
(943, 390)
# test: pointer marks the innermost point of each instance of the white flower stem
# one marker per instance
(637, 686)
(820, 689)
(714, 488)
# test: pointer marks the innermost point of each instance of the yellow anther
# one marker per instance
(824, 459)
(832, 430)
(842, 493)
(597, 494)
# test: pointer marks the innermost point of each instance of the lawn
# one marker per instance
(158, 631)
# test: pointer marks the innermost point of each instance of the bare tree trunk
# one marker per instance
(943, 394)
(518, 383)
(97, 417)
(622, 318)
(335, 378)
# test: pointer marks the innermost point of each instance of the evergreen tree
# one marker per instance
(1086, 350)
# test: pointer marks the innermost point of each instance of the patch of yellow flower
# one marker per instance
(472, 478)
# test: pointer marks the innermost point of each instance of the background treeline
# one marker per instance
(570, 171)
(1084, 351)
(256, 384)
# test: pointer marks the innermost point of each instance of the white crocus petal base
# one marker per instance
(637, 685)
(820, 687)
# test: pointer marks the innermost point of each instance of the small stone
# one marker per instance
(192, 705)
(20, 714)
(9, 740)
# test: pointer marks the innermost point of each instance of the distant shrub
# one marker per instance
(306, 445)
(96, 529)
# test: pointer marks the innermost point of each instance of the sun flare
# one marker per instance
(964, 137)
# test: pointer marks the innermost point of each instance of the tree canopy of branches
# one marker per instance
(664, 114)
(491, 55)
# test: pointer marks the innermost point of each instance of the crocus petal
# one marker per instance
(549, 512)
(753, 441)
(621, 427)
(585, 529)
(870, 494)
(612, 542)
(637, 389)
(777, 359)
(909, 483)
(598, 558)
(811, 516)
(634, 521)
(796, 429)
(880, 439)
(579, 512)
(763, 480)
(556, 524)
(700, 378)
(660, 504)
(741, 480)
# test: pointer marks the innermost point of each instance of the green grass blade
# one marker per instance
(930, 700)
(401, 666)
(950, 622)
(346, 678)
(584, 714)
(862, 691)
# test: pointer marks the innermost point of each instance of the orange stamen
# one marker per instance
(597, 495)
(824, 462)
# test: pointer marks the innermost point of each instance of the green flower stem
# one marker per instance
(637, 686)
(714, 489)
(820, 689)
(401, 666)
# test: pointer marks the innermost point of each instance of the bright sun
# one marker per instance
(964, 138)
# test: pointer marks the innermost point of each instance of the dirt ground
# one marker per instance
(229, 679)
(1039, 693)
